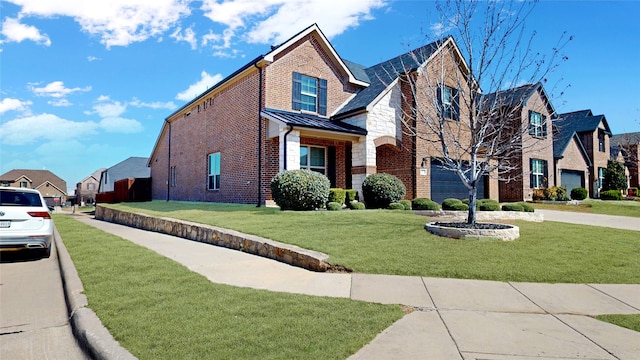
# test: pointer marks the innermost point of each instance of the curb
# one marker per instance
(87, 328)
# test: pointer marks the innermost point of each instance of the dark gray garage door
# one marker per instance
(447, 184)
(571, 179)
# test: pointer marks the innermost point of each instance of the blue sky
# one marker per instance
(87, 84)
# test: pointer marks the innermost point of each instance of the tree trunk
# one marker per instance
(471, 218)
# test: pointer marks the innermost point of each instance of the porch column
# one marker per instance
(292, 147)
(363, 162)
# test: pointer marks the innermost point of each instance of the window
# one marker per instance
(173, 176)
(601, 140)
(448, 101)
(91, 186)
(309, 94)
(313, 158)
(23, 184)
(538, 173)
(601, 172)
(214, 171)
(537, 124)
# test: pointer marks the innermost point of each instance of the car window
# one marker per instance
(17, 198)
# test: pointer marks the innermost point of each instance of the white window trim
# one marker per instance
(312, 168)
(538, 176)
(537, 125)
(314, 95)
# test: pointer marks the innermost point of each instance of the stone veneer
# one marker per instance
(484, 215)
(289, 254)
(509, 234)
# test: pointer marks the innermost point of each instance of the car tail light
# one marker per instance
(39, 214)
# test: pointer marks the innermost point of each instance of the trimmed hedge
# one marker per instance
(337, 195)
(527, 207)
(300, 190)
(350, 195)
(488, 205)
(380, 190)
(512, 207)
(611, 195)
(356, 205)
(334, 206)
(454, 204)
(396, 206)
(424, 204)
(406, 204)
(579, 193)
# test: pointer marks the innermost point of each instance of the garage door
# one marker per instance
(571, 179)
(447, 184)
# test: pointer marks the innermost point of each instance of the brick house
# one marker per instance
(594, 133)
(530, 168)
(571, 161)
(302, 106)
(52, 188)
(628, 146)
(87, 189)
(132, 167)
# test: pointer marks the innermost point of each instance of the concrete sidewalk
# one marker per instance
(453, 319)
(616, 222)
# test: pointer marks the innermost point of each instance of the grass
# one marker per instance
(395, 243)
(158, 309)
(608, 207)
(628, 321)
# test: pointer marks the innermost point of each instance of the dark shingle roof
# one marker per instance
(626, 139)
(383, 74)
(562, 139)
(581, 121)
(312, 122)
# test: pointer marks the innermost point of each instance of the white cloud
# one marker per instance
(188, 36)
(445, 26)
(277, 20)
(56, 89)
(113, 109)
(116, 22)
(206, 81)
(14, 31)
(9, 104)
(120, 125)
(170, 105)
(93, 58)
(32, 129)
(59, 103)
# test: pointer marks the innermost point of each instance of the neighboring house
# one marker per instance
(628, 146)
(52, 188)
(133, 167)
(87, 189)
(301, 106)
(531, 168)
(594, 133)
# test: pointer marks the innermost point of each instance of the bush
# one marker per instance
(614, 177)
(424, 204)
(356, 205)
(396, 206)
(538, 194)
(350, 195)
(380, 190)
(406, 204)
(611, 195)
(579, 193)
(334, 206)
(488, 205)
(300, 190)
(527, 207)
(512, 207)
(561, 191)
(633, 191)
(454, 204)
(337, 195)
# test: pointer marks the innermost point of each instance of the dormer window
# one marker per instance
(309, 94)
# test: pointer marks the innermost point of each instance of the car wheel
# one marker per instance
(44, 253)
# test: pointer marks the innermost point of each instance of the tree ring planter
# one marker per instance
(459, 230)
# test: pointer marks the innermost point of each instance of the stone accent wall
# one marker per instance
(483, 216)
(289, 254)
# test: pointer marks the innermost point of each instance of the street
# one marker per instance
(33, 314)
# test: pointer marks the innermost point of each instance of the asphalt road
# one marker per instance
(33, 314)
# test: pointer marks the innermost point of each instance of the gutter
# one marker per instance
(285, 146)
(168, 160)
(259, 134)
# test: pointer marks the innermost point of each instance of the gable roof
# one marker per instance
(517, 96)
(381, 75)
(133, 167)
(36, 177)
(311, 122)
(625, 139)
(561, 141)
(96, 175)
(581, 121)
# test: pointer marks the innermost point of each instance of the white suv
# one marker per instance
(25, 221)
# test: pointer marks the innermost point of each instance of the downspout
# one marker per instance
(285, 146)
(259, 134)
(169, 161)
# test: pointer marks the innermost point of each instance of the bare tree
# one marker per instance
(460, 108)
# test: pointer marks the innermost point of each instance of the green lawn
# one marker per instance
(395, 242)
(158, 309)
(618, 208)
(628, 321)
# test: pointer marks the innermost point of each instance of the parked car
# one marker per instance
(25, 221)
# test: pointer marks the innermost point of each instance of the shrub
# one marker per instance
(300, 190)
(561, 191)
(406, 204)
(538, 194)
(424, 204)
(396, 206)
(334, 206)
(356, 205)
(527, 207)
(337, 195)
(454, 204)
(611, 195)
(614, 177)
(633, 191)
(350, 195)
(512, 207)
(579, 193)
(380, 190)
(488, 205)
